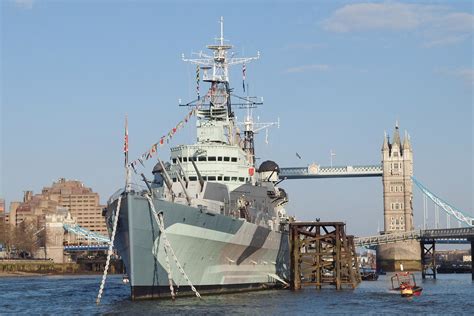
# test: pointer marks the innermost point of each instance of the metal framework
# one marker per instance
(428, 258)
(445, 236)
(95, 247)
(219, 63)
(386, 239)
(322, 254)
(316, 171)
(450, 210)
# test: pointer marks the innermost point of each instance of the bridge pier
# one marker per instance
(390, 257)
(472, 259)
(428, 258)
(322, 254)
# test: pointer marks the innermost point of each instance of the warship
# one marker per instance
(209, 220)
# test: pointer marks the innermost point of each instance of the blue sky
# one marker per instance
(336, 73)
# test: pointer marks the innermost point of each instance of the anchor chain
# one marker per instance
(109, 253)
(168, 249)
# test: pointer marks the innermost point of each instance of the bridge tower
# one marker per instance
(397, 166)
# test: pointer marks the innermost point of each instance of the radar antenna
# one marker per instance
(251, 127)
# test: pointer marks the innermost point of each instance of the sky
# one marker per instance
(336, 73)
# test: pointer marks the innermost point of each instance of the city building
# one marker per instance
(2, 209)
(82, 203)
(10, 217)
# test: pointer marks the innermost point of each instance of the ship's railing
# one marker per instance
(133, 187)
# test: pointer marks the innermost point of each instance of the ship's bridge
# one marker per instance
(215, 161)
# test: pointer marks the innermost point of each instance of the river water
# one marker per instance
(449, 294)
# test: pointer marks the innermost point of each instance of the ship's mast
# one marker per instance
(216, 72)
(219, 62)
(251, 127)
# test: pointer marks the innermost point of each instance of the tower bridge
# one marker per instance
(398, 242)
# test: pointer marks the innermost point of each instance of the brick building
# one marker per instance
(80, 201)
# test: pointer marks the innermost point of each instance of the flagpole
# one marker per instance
(128, 174)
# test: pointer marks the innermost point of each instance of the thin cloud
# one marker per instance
(24, 4)
(372, 16)
(306, 68)
(447, 40)
(305, 46)
(437, 25)
(466, 74)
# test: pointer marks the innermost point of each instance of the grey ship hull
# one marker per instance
(219, 253)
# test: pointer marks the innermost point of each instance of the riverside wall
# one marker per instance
(49, 267)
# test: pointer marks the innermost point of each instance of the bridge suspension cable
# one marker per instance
(89, 235)
(450, 210)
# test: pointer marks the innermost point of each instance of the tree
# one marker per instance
(7, 236)
(25, 240)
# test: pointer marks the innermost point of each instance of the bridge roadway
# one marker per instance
(446, 236)
(93, 247)
(316, 171)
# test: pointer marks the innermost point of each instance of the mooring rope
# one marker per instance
(168, 249)
(110, 251)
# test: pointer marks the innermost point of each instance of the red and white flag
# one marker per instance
(244, 74)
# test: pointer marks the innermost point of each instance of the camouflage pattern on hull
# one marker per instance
(219, 253)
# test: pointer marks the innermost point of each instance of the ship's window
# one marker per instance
(226, 158)
(174, 160)
(233, 159)
(219, 158)
(219, 178)
(174, 179)
(192, 178)
(226, 178)
(180, 159)
(241, 179)
(185, 159)
(234, 178)
(211, 158)
(202, 158)
(211, 178)
(204, 178)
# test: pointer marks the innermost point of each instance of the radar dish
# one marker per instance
(219, 97)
